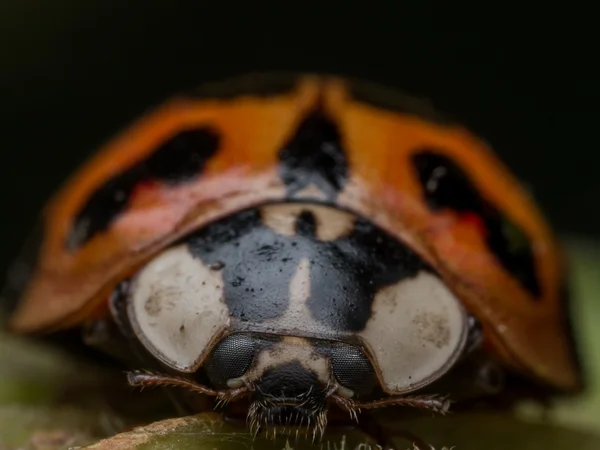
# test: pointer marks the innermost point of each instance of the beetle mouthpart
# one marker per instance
(433, 403)
(151, 379)
(308, 415)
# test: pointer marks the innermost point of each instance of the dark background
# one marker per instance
(74, 72)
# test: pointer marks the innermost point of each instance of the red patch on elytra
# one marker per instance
(143, 189)
(475, 221)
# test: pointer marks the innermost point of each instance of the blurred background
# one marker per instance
(524, 77)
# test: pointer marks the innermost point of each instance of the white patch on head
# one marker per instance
(176, 308)
(331, 223)
(291, 349)
(417, 331)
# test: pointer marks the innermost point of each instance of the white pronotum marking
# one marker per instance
(176, 307)
(416, 331)
(331, 224)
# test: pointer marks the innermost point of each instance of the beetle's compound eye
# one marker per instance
(353, 371)
(230, 359)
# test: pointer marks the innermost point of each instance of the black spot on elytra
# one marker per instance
(176, 161)
(345, 274)
(314, 155)
(19, 273)
(256, 85)
(446, 185)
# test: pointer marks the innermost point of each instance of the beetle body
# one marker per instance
(302, 242)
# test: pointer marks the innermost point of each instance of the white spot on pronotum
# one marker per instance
(176, 307)
(297, 318)
(331, 224)
(416, 332)
(300, 285)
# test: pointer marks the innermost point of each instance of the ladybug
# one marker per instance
(301, 244)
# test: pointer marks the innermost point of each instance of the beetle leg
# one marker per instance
(149, 379)
(433, 403)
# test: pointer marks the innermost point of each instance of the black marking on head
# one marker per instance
(314, 155)
(345, 274)
(446, 185)
(256, 85)
(178, 160)
(289, 394)
(19, 273)
(394, 101)
(287, 383)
